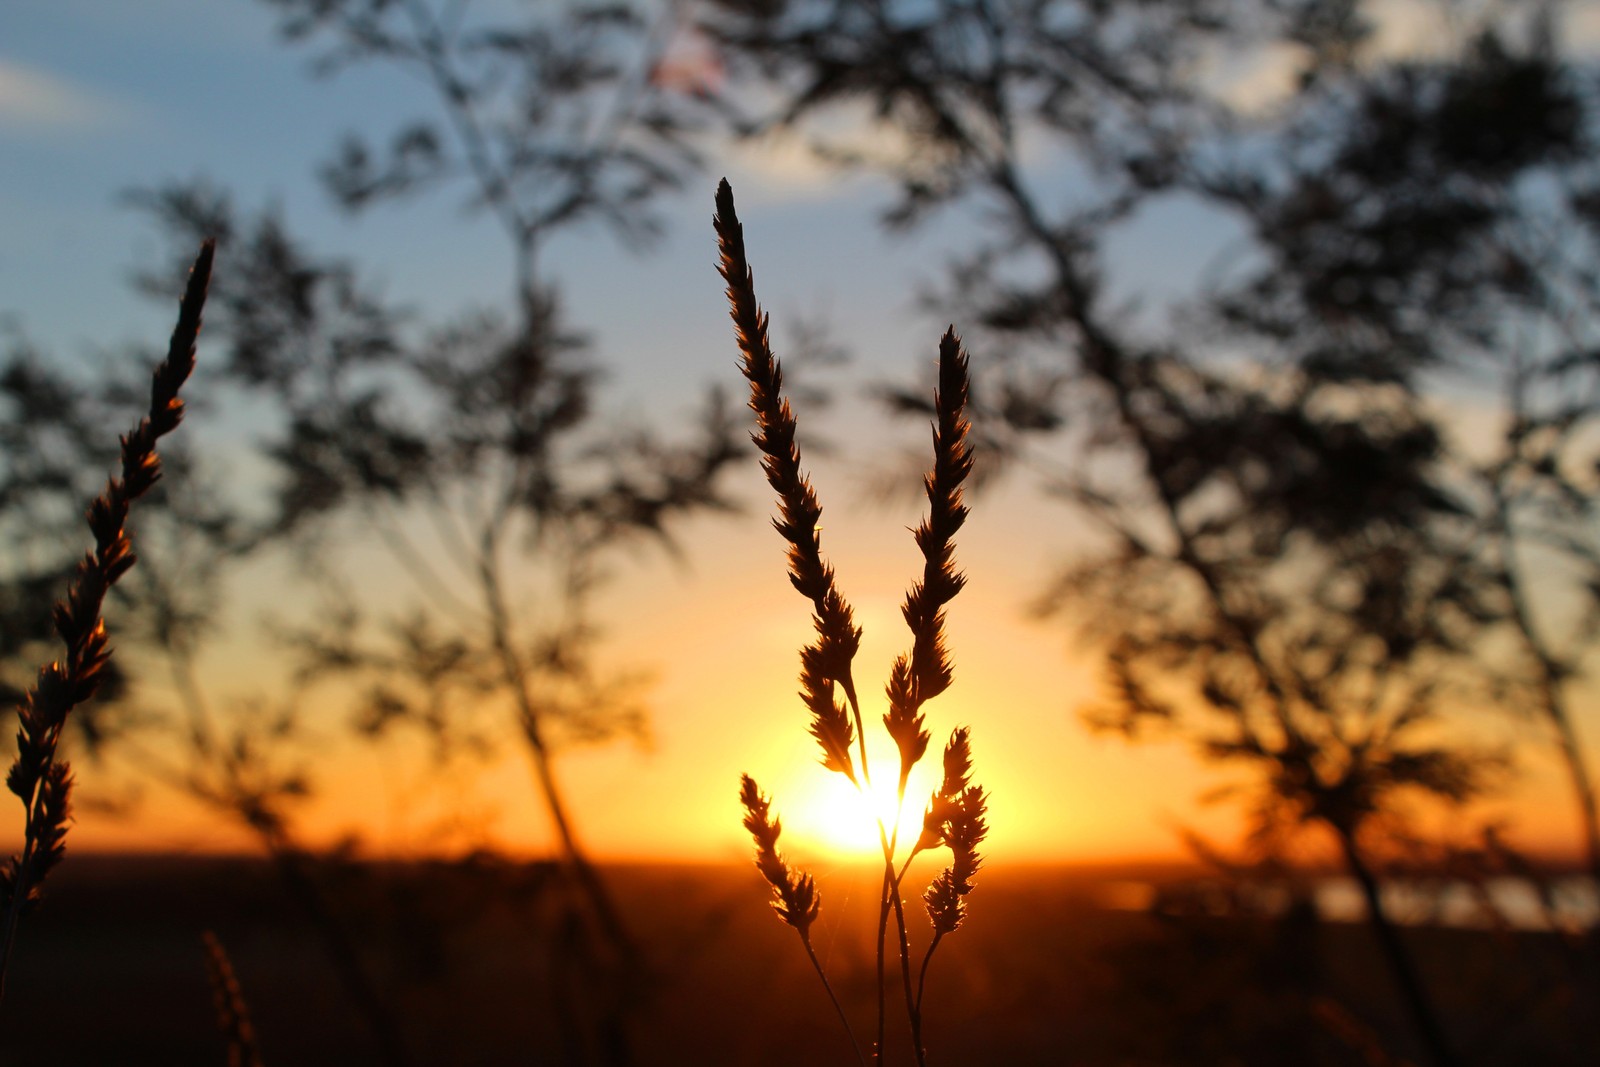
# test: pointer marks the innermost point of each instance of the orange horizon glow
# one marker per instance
(723, 640)
(721, 632)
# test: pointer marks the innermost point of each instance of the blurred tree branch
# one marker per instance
(1305, 564)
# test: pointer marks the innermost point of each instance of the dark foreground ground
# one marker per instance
(483, 966)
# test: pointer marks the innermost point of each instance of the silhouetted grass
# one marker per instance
(38, 777)
(956, 814)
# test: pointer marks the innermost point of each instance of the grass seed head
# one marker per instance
(926, 672)
(957, 776)
(799, 513)
(233, 1014)
(44, 783)
(963, 830)
(794, 895)
(830, 721)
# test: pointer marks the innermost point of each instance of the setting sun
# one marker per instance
(825, 811)
(1090, 556)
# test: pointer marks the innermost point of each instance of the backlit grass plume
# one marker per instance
(794, 895)
(828, 660)
(43, 782)
(233, 1014)
(957, 819)
(956, 816)
(925, 672)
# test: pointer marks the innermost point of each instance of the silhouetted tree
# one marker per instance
(546, 120)
(467, 449)
(1433, 221)
(240, 760)
(1302, 568)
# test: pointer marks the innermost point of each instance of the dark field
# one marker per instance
(483, 966)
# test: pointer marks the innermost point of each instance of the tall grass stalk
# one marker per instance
(233, 1014)
(38, 777)
(956, 815)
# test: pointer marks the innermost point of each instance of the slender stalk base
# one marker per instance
(1402, 966)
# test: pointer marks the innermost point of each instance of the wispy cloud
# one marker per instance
(1254, 80)
(1415, 29)
(1582, 30)
(785, 166)
(782, 167)
(35, 99)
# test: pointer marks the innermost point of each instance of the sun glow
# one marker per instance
(827, 812)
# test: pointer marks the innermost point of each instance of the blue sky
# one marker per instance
(97, 98)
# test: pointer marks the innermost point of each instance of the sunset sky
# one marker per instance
(98, 98)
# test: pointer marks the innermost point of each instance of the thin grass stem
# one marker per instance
(41, 780)
(916, 677)
(849, 686)
(833, 998)
(922, 981)
(889, 900)
(905, 971)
